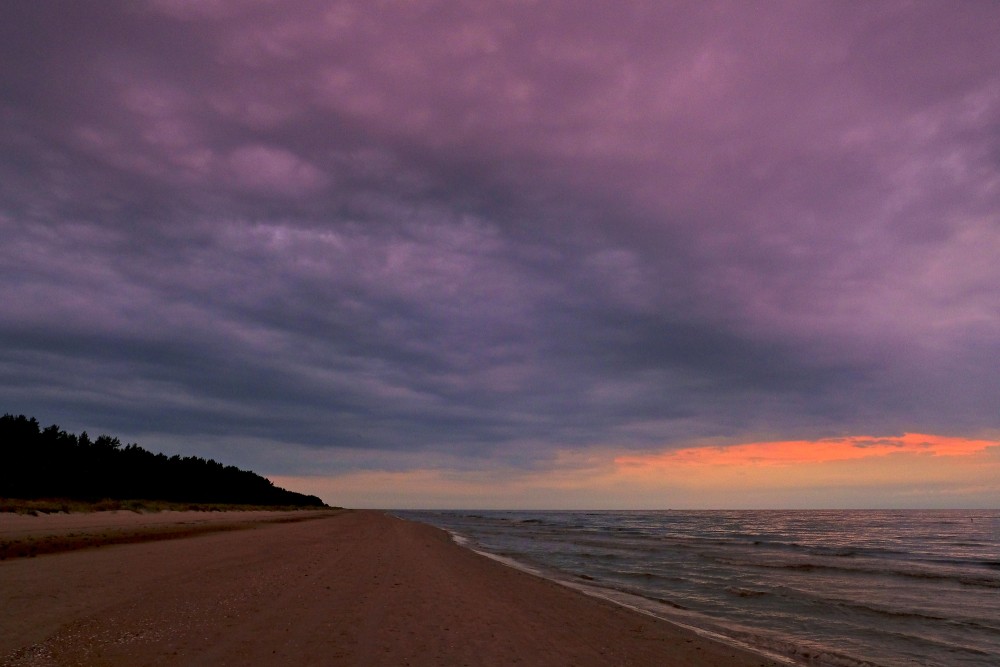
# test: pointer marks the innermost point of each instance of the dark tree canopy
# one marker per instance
(48, 462)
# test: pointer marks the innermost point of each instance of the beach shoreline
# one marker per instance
(634, 603)
(348, 588)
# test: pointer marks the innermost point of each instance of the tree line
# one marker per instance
(48, 462)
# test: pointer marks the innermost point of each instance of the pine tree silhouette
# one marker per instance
(51, 463)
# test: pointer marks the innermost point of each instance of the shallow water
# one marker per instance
(887, 588)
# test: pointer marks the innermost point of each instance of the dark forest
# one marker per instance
(48, 462)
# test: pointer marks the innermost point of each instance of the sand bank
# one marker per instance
(350, 588)
(26, 535)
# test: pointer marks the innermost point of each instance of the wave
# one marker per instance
(586, 555)
(747, 592)
(885, 571)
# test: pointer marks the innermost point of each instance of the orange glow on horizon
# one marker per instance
(797, 452)
(912, 470)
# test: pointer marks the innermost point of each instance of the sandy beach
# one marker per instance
(341, 588)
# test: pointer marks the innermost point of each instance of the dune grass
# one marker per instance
(56, 505)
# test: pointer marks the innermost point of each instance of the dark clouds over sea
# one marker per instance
(464, 233)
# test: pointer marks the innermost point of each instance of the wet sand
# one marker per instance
(346, 588)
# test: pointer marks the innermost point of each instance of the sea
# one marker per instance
(819, 588)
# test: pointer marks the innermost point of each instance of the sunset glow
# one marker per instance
(852, 472)
(791, 453)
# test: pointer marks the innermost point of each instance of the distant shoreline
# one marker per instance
(73, 505)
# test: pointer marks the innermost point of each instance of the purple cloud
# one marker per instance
(483, 233)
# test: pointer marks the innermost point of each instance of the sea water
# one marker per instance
(839, 588)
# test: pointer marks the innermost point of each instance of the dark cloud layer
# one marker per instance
(481, 234)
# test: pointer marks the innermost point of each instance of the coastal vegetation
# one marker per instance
(38, 465)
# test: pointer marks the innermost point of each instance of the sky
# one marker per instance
(513, 254)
